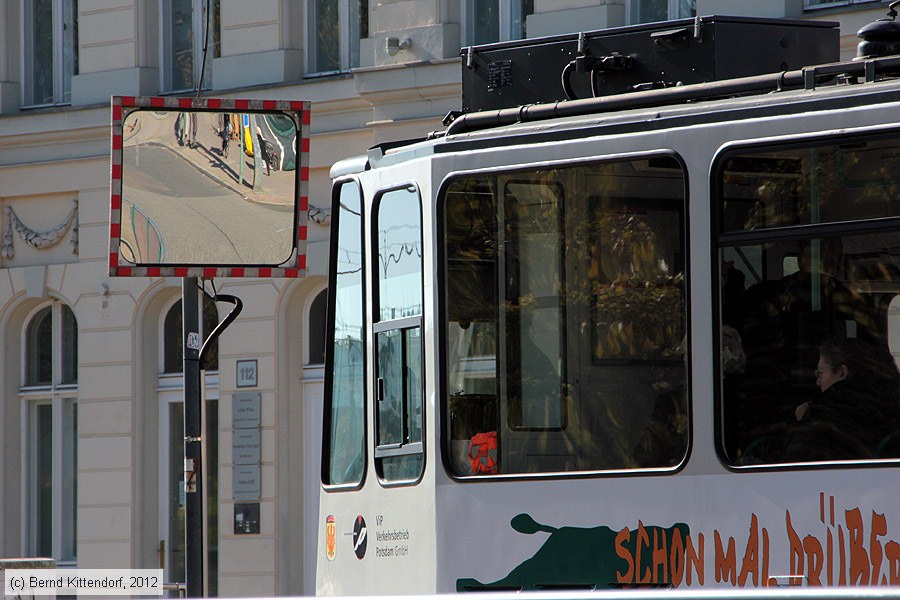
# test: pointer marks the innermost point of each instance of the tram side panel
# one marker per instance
(706, 531)
(778, 208)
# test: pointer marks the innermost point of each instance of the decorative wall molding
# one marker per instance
(39, 239)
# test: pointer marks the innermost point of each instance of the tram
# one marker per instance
(643, 335)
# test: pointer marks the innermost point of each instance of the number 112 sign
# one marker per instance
(246, 373)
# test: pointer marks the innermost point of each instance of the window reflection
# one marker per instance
(806, 311)
(566, 319)
(398, 355)
(399, 255)
(345, 414)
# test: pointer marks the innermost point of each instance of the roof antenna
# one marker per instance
(892, 10)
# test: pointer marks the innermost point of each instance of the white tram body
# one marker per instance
(570, 353)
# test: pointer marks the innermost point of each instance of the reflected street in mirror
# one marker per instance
(208, 188)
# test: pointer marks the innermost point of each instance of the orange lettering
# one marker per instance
(859, 559)
(725, 561)
(796, 548)
(676, 558)
(621, 538)
(643, 539)
(813, 548)
(660, 557)
(695, 559)
(830, 546)
(842, 573)
(879, 527)
(750, 564)
(892, 550)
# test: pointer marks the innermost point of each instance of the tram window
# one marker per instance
(802, 186)
(397, 331)
(344, 434)
(536, 330)
(807, 372)
(565, 319)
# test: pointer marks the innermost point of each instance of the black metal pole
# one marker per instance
(194, 547)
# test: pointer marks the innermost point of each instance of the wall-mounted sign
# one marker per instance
(245, 446)
(245, 485)
(246, 373)
(245, 410)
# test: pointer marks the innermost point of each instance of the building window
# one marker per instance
(50, 56)
(489, 21)
(49, 391)
(650, 11)
(173, 349)
(184, 25)
(336, 27)
(830, 3)
(315, 352)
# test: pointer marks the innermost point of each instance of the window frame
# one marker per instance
(63, 400)
(513, 272)
(442, 316)
(808, 4)
(508, 13)
(61, 79)
(168, 345)
(403, 325)
(330, 311)
(673, 10)
(318, 295)
(816, 231)
(198, 32)
(350, 33)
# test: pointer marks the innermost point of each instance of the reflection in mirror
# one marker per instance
(208, 188)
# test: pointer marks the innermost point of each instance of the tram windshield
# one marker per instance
(565, 318)
(810, 277)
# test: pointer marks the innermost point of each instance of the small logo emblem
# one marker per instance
(359, 537)
(193, 340)
(330, 543)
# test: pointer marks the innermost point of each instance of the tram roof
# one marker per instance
(778, 94)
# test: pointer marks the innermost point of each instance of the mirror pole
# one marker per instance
(194, 547)
(257, 154)
(241, 155)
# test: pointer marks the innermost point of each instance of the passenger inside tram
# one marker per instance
(809, 250)
(785, 325)
(857, 408)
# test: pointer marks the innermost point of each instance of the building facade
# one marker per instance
(90, 420)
